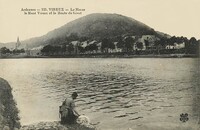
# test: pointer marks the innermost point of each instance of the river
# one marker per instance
(120, 93)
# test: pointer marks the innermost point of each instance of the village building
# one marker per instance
(176, 46)
(116, 48)
(92, 43)
(147, 41)
(84, 44)
(35, 51)
(179, 45)
(99, 44)
(75, 45)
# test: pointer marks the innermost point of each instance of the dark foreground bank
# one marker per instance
(8, 110)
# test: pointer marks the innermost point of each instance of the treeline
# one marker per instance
(191, 45)
(73, 44)
(126, 43)
(5, 50)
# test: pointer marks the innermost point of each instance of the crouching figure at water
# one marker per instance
(68, 111)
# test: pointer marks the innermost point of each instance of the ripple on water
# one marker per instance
(123, 89)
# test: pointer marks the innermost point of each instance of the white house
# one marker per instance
(34, 51)
(99, 44)
(169, 47)
(116, 48)
(176, 46)
(75, 43)
(84, 44)
(179, 45)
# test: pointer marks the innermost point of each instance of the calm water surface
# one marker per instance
(118, 93)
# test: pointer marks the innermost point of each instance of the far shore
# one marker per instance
(102, 56)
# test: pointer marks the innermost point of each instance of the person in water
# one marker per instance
(68, 111)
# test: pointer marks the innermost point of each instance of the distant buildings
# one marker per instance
(176, 46)
(35, 51)
(145, 44)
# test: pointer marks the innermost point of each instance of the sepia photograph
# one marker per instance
(99, 65)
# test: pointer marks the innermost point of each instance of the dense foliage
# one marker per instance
(126, 43)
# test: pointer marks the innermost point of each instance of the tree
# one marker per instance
(22, 50)
(56, 49)
(139, 45)
(163, 42)
(120, 42)
(47, 49)
(193, 46)
(70, 48)
(4, 50)
(106, 43)
(93, 47)
(193, 40)
(81, 49)
(146, 43)
(63, 48)
(172, 40)
(82, 39)
(128, 42)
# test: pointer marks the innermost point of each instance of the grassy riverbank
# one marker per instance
(8, 110)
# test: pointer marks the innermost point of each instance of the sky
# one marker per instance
(174, 17)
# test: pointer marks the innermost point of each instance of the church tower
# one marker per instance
(17, 44)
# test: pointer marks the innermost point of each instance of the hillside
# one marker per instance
(102, 25)
(94, 26)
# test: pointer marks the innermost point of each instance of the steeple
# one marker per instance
(18, 43)
(17, 39)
